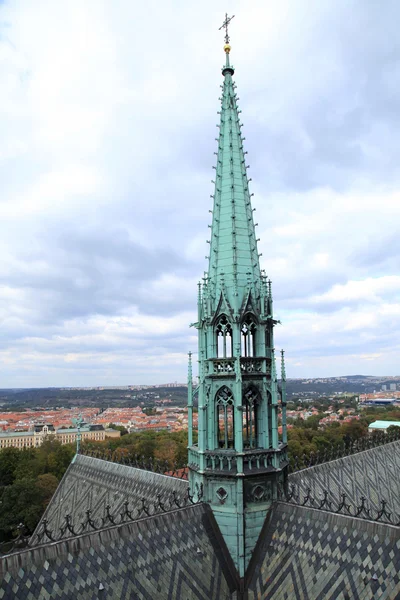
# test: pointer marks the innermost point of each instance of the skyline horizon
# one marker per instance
(184, 384)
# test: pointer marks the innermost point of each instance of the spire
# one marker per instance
(233, 245)
(283, 369)
(238, 461)
(78, 422)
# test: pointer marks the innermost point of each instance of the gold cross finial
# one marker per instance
(225, 24)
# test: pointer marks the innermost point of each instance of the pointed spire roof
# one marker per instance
(233, 260)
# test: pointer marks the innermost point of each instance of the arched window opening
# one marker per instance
(225, 418)
(269, 412)
(251, 403)
(224, 338)
(268, 338)
(248, 337)
(279, 414)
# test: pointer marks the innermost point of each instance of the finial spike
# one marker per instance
(283, 369)
(190, 365)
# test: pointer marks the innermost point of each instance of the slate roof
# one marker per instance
(173, 555)
(92, 483)
(302, 553)
(315, 555)
(373, 474)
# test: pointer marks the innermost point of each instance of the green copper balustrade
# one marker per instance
(222, 366)
(226, 461)
(248, 366)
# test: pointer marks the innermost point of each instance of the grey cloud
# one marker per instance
(94, 272)
(349, 125)
(320, 110)
(381, 253)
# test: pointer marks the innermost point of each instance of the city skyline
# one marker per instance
(106, 162)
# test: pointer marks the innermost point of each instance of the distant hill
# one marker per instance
(357, 377)
(15, 399)
(354, 384)
(66, 397)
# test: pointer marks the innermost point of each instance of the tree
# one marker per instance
(145, 444)
(120, 453)
(54, 457)
(28, 465)
(47, 485)
(354, 430)
(312, 422)
(166, 451)
(9, 458)
(321, 442)
(22, 502)
(120, 428)
(394, 429)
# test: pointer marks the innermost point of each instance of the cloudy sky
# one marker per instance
(108, 114)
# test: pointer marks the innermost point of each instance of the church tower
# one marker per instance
(240, 459)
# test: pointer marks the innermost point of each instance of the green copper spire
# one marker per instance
(240, 460)
(233, 262)
(78, 422)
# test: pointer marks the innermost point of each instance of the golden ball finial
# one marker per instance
(227, 48)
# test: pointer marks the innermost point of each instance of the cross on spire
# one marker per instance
(225, 24)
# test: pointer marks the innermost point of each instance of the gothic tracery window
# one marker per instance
(269, 412)
(251, 401)
(224, 338)
(225, 418)
(268, 338)
(248, 337)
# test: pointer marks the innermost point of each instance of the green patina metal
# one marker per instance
(78, 422)
(240, 460)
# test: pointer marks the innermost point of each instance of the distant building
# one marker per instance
(35, 438)
(382, 425)
(112, 433)
(393, 387)
(378, 402)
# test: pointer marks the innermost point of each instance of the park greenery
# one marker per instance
(307, 437)
(29, 477)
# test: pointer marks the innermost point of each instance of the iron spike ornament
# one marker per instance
(328, 500)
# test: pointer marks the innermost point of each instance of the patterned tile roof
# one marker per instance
(302, 553)
(92, 483)
(308, 554)
(373, 474)
(175, 555)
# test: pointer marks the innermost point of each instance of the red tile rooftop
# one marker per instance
(179, 473)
